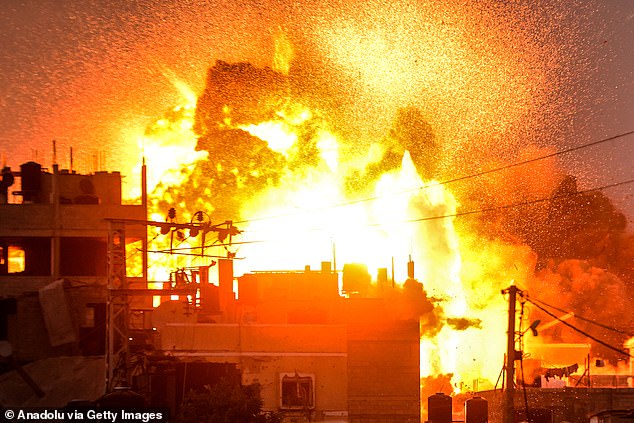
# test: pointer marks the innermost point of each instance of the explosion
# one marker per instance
(258, 150)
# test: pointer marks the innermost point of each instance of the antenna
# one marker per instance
(144, 183)
(410, 268)
(334, 256)
(54, 152)
(392, 271)
(71, 159)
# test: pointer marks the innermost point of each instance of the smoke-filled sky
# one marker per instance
(486, 75)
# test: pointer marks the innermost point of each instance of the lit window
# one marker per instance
(297, 391)
(16, 259)
(28, 256)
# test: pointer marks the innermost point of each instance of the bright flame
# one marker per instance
(276, 134)
(280, 134)
(366, 232)
(328, 149)
(168, 145)
(169, 149)
(309, 214)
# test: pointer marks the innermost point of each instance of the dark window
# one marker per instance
(7, 306)
(82, 256)
(297, 392)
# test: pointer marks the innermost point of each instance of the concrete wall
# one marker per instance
(327, 370)
(363, 354)
(26, 329)
(52, 226)
(572, 405)
(384, 372)
(228, 339)
(265, 352)
(74, 220)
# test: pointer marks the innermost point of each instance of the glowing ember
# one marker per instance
(253, 150)
(309, 214)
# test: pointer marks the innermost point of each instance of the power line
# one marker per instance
(585, 319)
(495, 208)
(427, 218)
(473, 212)
(226, 244)
(465, 213)
(605, 344)
(523, 203)
(445, 182)
(180, 253)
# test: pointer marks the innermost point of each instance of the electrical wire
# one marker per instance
(513, 205)
(459, 214)
(226, 244)
(193, 254)
(605, 344)
(446, 216)
(445, 182)
(601, 325)
(494, 208)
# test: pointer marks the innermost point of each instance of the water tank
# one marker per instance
(6, 180)
(439, 408)
(31, 173)
(476, 410)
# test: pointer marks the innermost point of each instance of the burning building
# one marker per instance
(455, 182)
(315, 353)
(298, 191)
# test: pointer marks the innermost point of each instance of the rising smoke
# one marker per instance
(487, 112)
(579, 239)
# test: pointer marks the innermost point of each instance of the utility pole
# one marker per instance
(144, 241)
(509, 393)
(117, 340)
(117, 351)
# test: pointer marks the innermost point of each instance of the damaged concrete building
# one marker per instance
(53, 271)
(320, 348)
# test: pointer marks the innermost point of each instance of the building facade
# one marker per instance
(316, 355)
(54, 229)
(318, 349)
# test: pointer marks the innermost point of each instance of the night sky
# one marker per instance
(92, 74)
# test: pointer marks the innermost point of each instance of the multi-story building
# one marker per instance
(54, 228)
(318, 349)
(317, 355)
